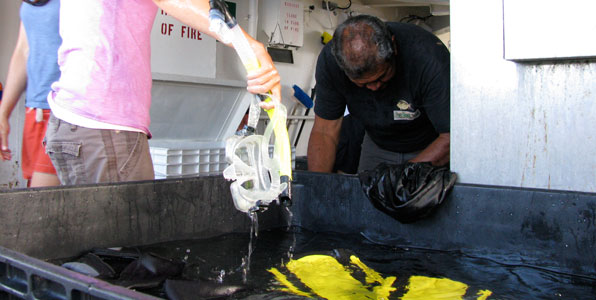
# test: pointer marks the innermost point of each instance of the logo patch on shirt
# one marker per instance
(404, 113)
(403, 105)
(399, 115)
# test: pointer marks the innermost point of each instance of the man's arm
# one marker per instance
(322, 144)
(16, 81)
(195, 13)
(437, 152)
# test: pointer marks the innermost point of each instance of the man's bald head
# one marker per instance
(361, 45)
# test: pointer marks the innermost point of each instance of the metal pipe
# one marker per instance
(253, 18)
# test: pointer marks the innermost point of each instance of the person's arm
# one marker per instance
(437, 106)
(437, 152)
(16, 81)
(322, 144)
(195, 13)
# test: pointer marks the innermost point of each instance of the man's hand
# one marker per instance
(266, 78)
(437, 152)
(4, 130)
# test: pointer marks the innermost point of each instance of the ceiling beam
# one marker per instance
(394, 3)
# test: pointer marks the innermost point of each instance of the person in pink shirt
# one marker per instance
(100, 106)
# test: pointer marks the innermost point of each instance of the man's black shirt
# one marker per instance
(411, 110)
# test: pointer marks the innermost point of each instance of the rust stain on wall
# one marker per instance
(13, 180)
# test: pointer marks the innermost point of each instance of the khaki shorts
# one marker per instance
(83, 155)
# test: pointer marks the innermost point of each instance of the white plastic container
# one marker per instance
(187, 158)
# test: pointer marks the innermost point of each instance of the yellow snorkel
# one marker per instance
(258, 177)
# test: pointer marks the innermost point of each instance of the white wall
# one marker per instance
(203, 109)
(517, 124)
(10, 171)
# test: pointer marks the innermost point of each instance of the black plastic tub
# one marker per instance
(551, 229)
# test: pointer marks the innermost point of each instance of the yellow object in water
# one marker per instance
(290, 286)
(385, 288)
(426, 288)
(327, 278)
(484, 294)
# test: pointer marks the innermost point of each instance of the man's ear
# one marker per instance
(393, 44)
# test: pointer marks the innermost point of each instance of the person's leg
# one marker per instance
(83, 155)
(29, 146)
(371, 155)
(44, 179)
(349, 146)
(44, 173)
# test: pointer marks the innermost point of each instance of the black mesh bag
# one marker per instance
(407, 192)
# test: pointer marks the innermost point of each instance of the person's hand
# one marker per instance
(4, 130)
(265, 79)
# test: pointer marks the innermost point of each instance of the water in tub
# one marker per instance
(295, 263)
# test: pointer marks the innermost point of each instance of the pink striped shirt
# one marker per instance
(105, 59)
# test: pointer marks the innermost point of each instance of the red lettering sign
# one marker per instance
(190, 33)
(166, 29)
